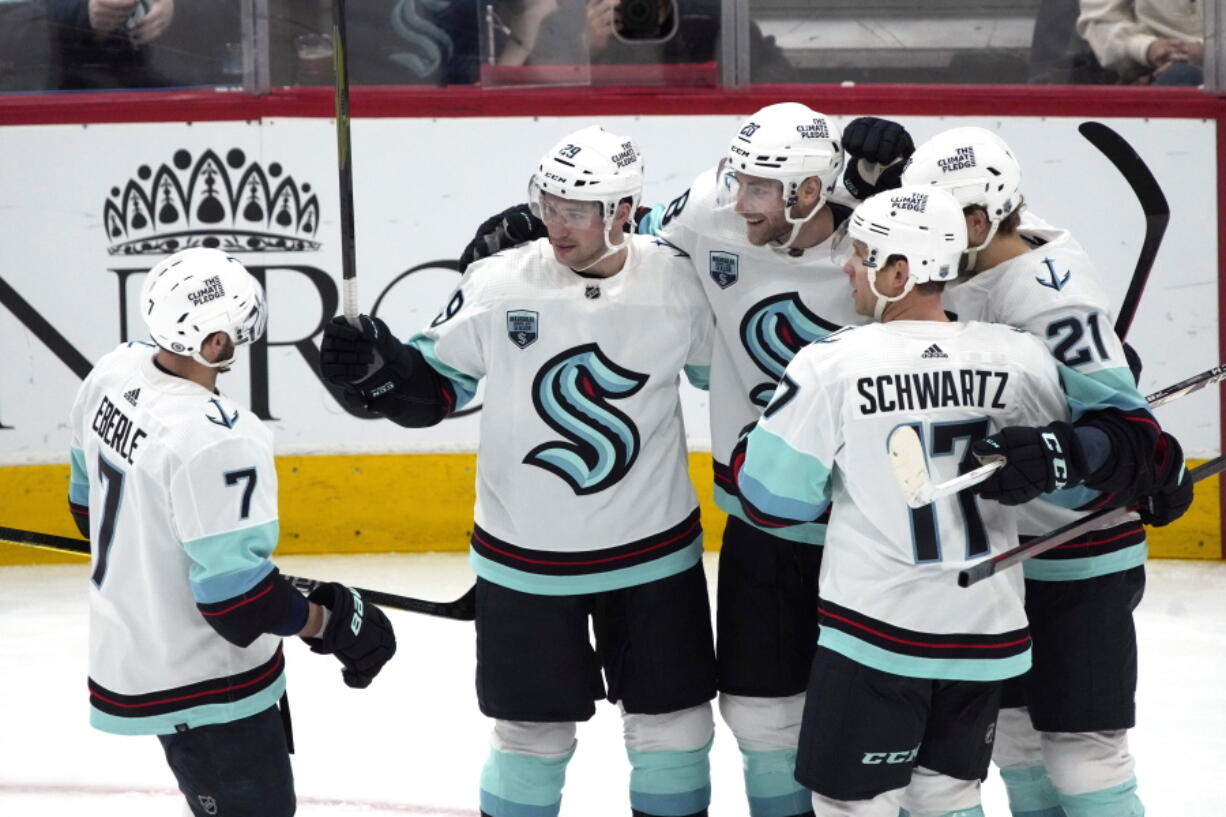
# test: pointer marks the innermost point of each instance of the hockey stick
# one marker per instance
(1099, 519)
(344, 163)
(462, 609)
(911, 467)
(1153, 204)
(911, 470)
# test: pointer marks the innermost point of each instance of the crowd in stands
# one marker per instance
(98, 44)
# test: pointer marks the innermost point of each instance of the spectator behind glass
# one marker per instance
(1058, 56)
(623, 32)
(1146, 41)
(26, 62)
(102, 42)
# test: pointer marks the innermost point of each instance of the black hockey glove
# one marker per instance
(357, 633)
(1174, 494)
(510, 228)
(1037, 460)
(877, 151)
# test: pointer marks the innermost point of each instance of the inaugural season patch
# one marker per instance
(522, 327)
(724, 268)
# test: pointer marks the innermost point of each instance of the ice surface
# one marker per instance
(413, 743)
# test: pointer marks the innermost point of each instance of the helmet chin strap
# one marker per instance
(884, 301)
(797, 225)
(972, 253)
(609, 249)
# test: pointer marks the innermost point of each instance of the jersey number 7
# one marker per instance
(925, 532)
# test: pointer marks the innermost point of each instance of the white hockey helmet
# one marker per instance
(976, 166)
(788, 142)
(921, 223)
(590, 165)
(197, 292)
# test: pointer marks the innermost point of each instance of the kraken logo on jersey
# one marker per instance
(773, 331)
(571, 393)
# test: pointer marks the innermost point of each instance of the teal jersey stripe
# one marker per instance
(236, 551)
(78, 477)
(193, 717)
(948, 669)
(1106, 388)
(465, 385)
(652, 223)
(699, 376)
(545, 585)
(1073, 498)
(811, 533)
(230, 585)
(781, 481)
(1068, 570)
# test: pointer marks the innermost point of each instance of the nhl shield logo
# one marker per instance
(725, 268)
(522, 327)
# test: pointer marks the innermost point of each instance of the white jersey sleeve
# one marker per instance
(225, 510)
(455, 342)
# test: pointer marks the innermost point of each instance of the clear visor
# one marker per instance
(743, 194)
(842, 246)
(252, 327)
(557, 211)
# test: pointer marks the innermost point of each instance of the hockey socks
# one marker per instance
(1031, 793)
(526, 769)
(770, 784)
(670, 769)
(1117, 801)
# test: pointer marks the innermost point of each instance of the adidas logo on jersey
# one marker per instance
(933, 351)
(132, 396)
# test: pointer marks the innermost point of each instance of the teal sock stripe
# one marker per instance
(670, 784)
(1117, 801)
(1031, 793)
(770, 783)
(515, 785)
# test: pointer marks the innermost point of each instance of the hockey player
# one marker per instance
(584, 506)
(1079, 596)
(758, 230)
(174, 484)
(905, 685)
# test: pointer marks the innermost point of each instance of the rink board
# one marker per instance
(422, 502)
(96, 190)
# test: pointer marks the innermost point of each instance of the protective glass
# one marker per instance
(551, 209)
(742, 193)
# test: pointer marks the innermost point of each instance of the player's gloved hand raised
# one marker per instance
(351, 355)
(510, 228)
(1174, 494)
(877, 150)
(1037, 460)
(358, 633)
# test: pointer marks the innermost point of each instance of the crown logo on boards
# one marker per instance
(232, 205)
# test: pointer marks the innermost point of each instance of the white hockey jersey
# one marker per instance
(1054, 293)
(182, 495)
(582, 473)
(889, 594)
(768, 306)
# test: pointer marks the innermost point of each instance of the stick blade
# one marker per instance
(1130, 164)
(910, 467)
